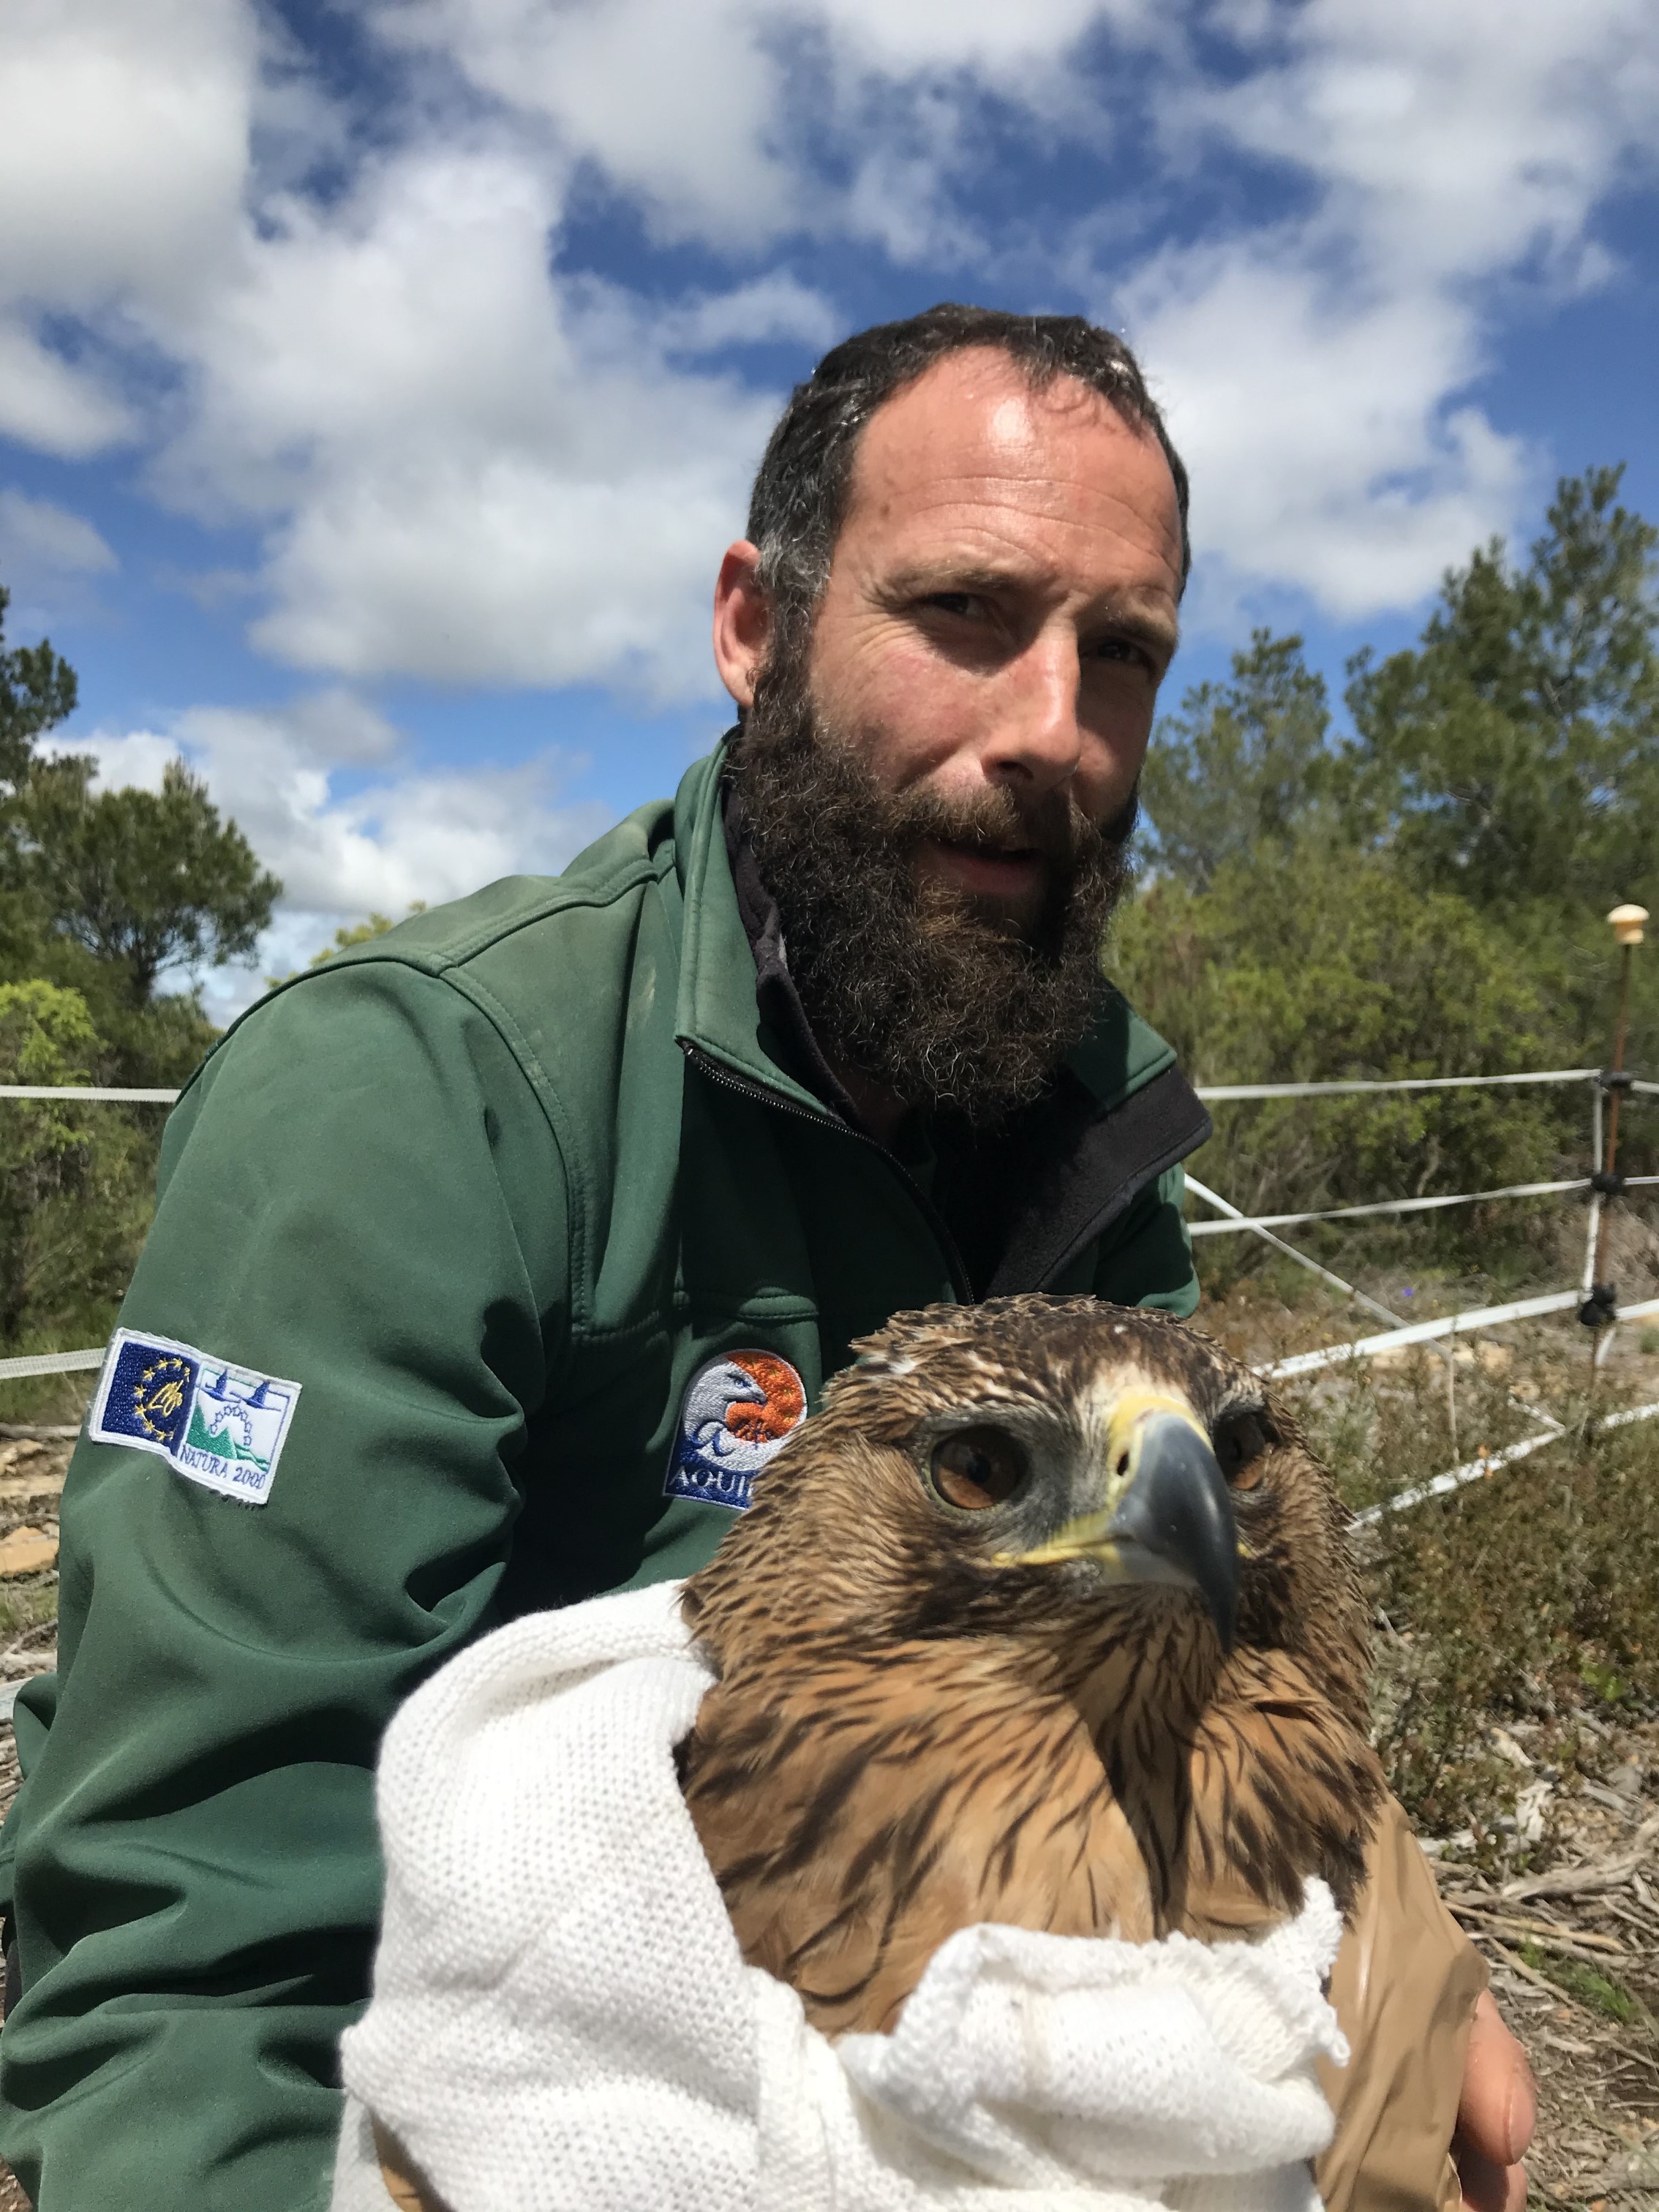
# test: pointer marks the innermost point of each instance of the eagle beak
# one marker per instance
(1169, 1515)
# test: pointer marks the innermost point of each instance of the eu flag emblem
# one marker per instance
(149, 1394)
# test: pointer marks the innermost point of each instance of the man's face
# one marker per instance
(938, 789)
(1000, 610)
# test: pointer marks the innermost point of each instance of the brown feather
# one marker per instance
(910, 1734)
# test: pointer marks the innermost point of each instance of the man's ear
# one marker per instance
(743, 621)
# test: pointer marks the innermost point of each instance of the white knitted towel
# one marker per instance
(561, 2020)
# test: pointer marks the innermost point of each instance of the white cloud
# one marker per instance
(50, 404)
(698, 109)
(773, 308)
(502, 568)
(48, 560)
(124, 134)
(677, 99)
(133, 760)
(1453, 139)
(421, 836)
(469, 466)
(1322, 451)
(373, 848)
(122, 151)
(1319, 370)
(898, 36)
(470, 477)
(37, 537)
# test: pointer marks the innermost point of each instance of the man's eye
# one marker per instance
(1125, 651)
(953, 603)
(977, 1467)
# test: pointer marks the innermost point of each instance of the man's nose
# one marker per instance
(1036, 741)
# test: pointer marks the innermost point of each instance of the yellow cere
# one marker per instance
(1128, 1412)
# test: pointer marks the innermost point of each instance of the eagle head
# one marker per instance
(1070, 1473)
(1049, 1522)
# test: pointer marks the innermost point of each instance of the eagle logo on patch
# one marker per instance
(738, 1410)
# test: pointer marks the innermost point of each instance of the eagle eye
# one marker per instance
(977, 1467)
(1240, 1438)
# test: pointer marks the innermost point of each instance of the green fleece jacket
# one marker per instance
(505, 1194)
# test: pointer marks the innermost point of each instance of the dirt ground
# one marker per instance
(1574, 1954)
(1573, 1947)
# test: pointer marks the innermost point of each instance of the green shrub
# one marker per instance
(1303, 963)
(1533, 1594)
(74, 1179)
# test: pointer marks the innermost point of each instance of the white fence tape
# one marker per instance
(1207, 1091)
(53, 1362)
(1455, 1478)
(1426, 1332)
(1476, 1470)
(1222, 1091)
(1225, 1090)
(1224, 1205)
(1231, 1228)
(86, 1090)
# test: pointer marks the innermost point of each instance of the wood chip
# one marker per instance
(47, 1483)
(1632, 2169)
(27, 1551)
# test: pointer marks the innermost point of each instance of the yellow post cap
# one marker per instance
(1627, 922)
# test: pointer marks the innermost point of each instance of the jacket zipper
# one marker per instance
(717, 1072)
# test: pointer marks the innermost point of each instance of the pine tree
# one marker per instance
(38, 690)
(1513, 755)
(1240, 763)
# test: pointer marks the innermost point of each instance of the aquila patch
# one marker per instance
(737, 1411)
(216, 1423)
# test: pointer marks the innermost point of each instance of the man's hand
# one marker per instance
(1496, 2116)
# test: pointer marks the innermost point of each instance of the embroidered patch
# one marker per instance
(737, 1411)
(220, 1425)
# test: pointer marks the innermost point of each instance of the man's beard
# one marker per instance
(946, 1001)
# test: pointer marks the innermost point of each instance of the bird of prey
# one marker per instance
(1046, 1619)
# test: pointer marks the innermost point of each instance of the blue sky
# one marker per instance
(381, 383)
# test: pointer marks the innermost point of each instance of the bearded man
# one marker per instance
(493, 1259)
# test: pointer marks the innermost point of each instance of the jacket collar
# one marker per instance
(717, 1011)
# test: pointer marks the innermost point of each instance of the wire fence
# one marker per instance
(1588, 1300)
(1232, 1221)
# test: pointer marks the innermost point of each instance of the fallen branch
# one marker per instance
(1642, 1923)
(1584, 1880)
(40, 1432)
(1529, 1973)
(1557, 1945)
(1540, 1931)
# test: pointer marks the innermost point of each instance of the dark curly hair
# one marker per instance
(799, 498)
